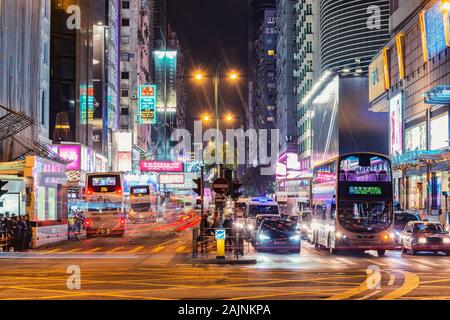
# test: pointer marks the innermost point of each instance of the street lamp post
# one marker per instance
(216, 80)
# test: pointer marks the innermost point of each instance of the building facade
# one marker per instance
(411, 78)
(286, 100)
(307, 57)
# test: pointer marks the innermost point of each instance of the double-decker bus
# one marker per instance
(352, 204)
(141, 204)
(105, 212)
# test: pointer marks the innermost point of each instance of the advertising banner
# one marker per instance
(70, 153)
(161, 166)
(171, 179)
(147, 104)
(377, 78)
(396, 124)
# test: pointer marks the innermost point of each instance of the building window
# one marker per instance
(124, 111)
(45, 53)
(125, 4)
(124, 93)
(43, 106)
(125, 75)
(271, 52)
(124, 56)
(125, 39)
(270, 119)
(125, 22)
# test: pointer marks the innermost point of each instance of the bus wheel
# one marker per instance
(381, 253)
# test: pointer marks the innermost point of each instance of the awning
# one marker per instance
(13, 123)
(35, 148)
(417, 158)
(438, 95)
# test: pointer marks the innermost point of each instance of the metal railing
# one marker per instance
(5, 241)
(204, 241)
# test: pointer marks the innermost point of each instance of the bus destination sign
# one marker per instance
(363, 191)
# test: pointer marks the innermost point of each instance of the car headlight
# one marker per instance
(447, 240)
(263, 237)
(250, 227)
(295, 237)
(422, 240)
(239, 225)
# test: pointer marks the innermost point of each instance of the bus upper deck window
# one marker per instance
(364, 161)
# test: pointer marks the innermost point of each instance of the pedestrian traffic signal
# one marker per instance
(199, 188)
(236, 185)
(2, 184)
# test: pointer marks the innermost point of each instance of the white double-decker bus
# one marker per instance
(352, 204)
(142, 202)
(105, 212)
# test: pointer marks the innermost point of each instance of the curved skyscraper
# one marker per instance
(351, 33)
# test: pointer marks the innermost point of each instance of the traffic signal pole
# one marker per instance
(202, 191)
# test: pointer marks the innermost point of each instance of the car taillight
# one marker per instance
(122, 220)
(88, 222)
(88, 191)
(119, 190)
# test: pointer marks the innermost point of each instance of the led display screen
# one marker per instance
(359, 190)
(139, 191)
(103, 181)
(396, 124)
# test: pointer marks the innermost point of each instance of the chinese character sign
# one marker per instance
(147, 104)
(161, 166)
(90, 103)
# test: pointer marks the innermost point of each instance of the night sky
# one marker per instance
(211, 31)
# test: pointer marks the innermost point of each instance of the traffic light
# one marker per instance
(199, 188)
(228, 175)
(2, 184)
(236, 185)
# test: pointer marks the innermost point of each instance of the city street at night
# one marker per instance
(216, 159)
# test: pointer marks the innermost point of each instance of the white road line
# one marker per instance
(346, 261)
(399, 261)
(427, 263)
(369, 295)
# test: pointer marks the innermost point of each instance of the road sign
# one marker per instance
(220, 234)
(220, 186)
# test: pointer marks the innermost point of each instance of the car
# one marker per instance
(425, 236)
(295, 219)
(277, 235)
(401, 219)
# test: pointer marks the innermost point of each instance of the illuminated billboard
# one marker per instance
(378, 76)
(123, 141)
(70, 153)
(171, 179)
(433, 31)
(161, 166)
(124, 161)
(439, 132)
(166, 77)
(415, 138)
(90, 98)
(147, 104)
(396, 124)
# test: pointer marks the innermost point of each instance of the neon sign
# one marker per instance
(364, 191)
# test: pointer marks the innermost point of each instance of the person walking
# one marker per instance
(228, 226)
(29, 234)
(15, 233)
(23, 229)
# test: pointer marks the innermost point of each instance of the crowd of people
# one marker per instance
(76, 223)
(15, 232)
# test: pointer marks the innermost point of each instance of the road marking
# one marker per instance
(346, 261)
(350, 293)
(95, 249)
(427, 263)
(399, 261)
(391, 280)
(137, 249)
(50, 251)
(74, 250)
(180, 249)
(369, 295)
(376, 262)
(411, 282)
(115, 249)
(158, 249)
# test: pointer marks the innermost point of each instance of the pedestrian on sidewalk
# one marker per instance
(23, 229)
(228, 226)
(16, 233)
(29, 234)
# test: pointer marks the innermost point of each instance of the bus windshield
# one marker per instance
(365, 216)
(364, 168)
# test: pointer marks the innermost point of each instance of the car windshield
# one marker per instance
(278, 226)
(260, 209)
(402, 219)
(428, 228)
(365, 216)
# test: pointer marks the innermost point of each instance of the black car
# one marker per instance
(277, 235)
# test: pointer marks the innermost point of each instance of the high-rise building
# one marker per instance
(24, 70)
(351, 33)
(262, 64)
(307, 71)
(410, 81)
(286, 106)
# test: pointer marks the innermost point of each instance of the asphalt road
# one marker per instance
(153, 263)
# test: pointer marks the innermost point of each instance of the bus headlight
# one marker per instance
(422, 240)
(446, 240)
(263, 237)
(250, 227)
